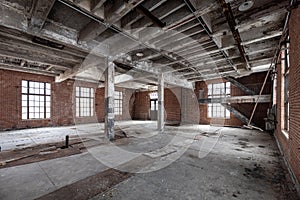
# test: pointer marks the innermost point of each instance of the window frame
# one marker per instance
(84, 101)
(35, 100)
(118, 103)
(155, 103)
(216, 110)
(285, 87)
(153, 98)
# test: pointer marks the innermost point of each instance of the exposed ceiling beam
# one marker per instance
(91, 62)
(129, 77)
(142, 10)
(170, 78)
(91, 31)
(113, 12)
(41, 9)
(255, 18)
(134, 16)
(14, 19)
(15, 67)
(232, 24)
(10, 51)
(160, 13)
(96, 4)
(38, 49)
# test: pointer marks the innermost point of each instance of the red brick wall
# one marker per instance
(63, 106)
(181, 105)
(64, 94)
(128, 97)
(100, 103)
(141, 108)
(253, 82)
(172, 105)
(233, 121)
(291, 144)
(189, 107)
(10, 100)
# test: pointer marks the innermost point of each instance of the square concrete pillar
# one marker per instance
(161, 109)
(109, 100)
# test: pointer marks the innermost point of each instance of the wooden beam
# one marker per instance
(18, 68)
(39, 49)
(160, 13)
(113, 13)
(91, 31)
(15, 20)
(142, 10)
(96, 4)
(134, 16)
(258, 17)
(235, 32)
(40, 13)
(10, 51)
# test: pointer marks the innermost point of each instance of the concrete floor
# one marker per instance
(186, 162)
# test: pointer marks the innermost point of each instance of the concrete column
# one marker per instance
(161, 109)
(109, 100)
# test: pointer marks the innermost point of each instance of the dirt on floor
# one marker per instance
(40, 152)
(89, 187)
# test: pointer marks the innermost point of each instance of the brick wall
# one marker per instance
(181, 105)
(172, 105)
(128, 98)
(63, 107)
(141, 108)
(253, 82)
(290, 145)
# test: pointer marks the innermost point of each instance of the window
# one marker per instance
(118, 103)
(153, 104)
(84, 102)
(218, 90)
(36, 100)
(285, 86)
(153, 101)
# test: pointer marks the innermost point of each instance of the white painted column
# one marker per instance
(161, 109)
(109, 100)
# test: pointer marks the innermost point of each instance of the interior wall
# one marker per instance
(141, 107)
(253, 82)
(290, 142)
(63, 106)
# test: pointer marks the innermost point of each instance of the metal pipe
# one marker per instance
(67, 141)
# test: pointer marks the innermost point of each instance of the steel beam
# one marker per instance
(239, 99)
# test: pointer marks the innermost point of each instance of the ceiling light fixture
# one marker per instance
(246, 6)
(139, 54)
